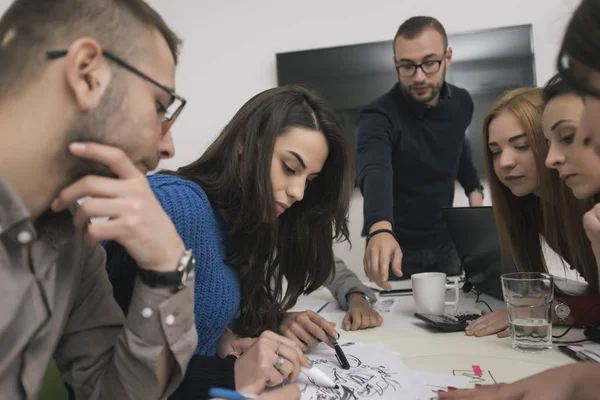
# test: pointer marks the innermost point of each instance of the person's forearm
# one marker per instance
(166, 326)
(475, 198)
(345, 282)
(104, 355)
(585, 310)
(380, 225)
(555, 320)
(375, 141)
(467, 174)
(587, 376)
(378, 201)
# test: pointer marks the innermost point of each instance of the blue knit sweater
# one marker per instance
(217, 290)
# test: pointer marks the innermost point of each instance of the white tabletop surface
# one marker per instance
(424, 348)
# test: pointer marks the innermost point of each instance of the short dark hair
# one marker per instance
(555, 87)
(413, 27)
(29, 28)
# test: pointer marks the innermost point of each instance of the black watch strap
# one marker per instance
(177, 279)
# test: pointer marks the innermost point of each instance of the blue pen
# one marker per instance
(229, 394)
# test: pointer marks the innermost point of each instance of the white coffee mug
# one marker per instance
(429, 292)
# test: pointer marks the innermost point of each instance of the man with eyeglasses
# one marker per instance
(80, 121)
(411, 149)
(87, 103)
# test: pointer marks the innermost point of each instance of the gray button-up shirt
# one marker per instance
(60, 304)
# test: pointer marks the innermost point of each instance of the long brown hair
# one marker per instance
(265, 248)
(554, 213)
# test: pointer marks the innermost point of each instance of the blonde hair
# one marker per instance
(553, 213)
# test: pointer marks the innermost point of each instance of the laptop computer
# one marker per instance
(473, 232)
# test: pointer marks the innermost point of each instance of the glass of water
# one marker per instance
(528, 296)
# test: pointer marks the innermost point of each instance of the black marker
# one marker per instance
(339, 354)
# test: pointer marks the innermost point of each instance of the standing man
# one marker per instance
(411, 150)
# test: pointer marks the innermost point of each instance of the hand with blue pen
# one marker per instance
(307, 328)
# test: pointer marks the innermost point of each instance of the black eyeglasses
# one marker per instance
(171, 111)
(428, 67)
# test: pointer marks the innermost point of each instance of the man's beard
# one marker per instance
(94, 126)
(433, 88)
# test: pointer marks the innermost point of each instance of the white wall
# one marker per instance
(230, 46)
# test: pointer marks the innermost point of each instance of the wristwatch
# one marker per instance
(361, 294)
(178, 279)
(562, 310)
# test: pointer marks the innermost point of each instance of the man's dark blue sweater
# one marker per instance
(409, 157)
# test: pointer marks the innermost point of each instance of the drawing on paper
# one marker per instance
(360, 381)
(375, 373)
(485, 379)
(384, 305)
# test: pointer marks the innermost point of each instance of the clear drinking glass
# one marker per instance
(528, 297)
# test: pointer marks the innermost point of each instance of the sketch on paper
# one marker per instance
(485, 379)
(360, 381)
(374, 373)
(436, 382)
(384, 305)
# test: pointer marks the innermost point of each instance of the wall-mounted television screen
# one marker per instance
(486, 63)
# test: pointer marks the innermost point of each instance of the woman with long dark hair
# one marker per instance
(262, 206)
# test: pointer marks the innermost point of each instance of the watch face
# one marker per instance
(562, 311)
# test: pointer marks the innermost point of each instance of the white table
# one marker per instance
(424, 348)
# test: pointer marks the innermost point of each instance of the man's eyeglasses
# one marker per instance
(428, 67)
(171, 111)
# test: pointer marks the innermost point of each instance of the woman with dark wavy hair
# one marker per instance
(261, 206)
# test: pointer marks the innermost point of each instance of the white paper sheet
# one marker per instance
(397, 315)
(374, 372)
(305, 303)
(591, 350)
(435, 382)
(383, 305)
